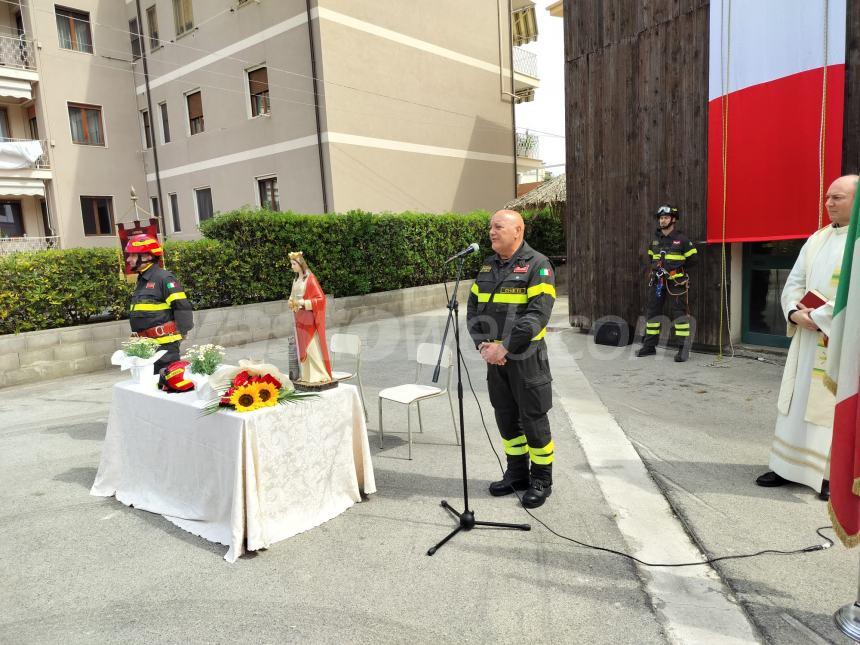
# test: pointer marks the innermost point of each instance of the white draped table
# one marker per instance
(245, 480)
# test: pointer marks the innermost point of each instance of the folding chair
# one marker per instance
(416, 392)
(349, 345)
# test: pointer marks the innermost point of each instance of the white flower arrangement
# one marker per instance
(140, 347)
(205, 359)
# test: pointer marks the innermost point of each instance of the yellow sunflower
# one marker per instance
(267, 394)
(246, 398)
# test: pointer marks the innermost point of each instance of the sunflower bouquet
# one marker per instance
(251, 389)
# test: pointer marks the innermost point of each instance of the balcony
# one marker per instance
(17, 244)
(528, 152)
(17, 68)
(525, 75)
(24, 167)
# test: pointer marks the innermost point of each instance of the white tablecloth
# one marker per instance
(243, 480)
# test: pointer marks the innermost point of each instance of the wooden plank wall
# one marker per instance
(851, 128)
(637, 87)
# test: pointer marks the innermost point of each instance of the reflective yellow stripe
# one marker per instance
(540, 334)
(652, 324)
(150, 306)
(652, 332)
(690, 252)
(516, 446)
(483, 297)
(475, 289)
(682, 325)
(682, 333)
(675, 256)
(162, 340)
(542, 456)
(179, 295)
(509, 298)
(539, 289)
(675, 276)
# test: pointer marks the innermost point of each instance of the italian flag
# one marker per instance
(843, 377)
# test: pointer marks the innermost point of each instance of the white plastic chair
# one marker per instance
(416, 392)
(349, 345)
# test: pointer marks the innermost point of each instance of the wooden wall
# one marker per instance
(637, 91)
(851, 127)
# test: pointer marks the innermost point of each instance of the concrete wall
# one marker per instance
(54, 353)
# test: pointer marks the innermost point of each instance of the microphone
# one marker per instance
(469, 249)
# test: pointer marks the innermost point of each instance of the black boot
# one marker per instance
(683, 354)
(824, 495)
(770, 479)
(508, 484)
(646, 350)
(537, 493)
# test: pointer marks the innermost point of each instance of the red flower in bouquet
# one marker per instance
(241, 378)
(271, 380)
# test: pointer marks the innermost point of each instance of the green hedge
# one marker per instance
(46, 289)
(243, 259)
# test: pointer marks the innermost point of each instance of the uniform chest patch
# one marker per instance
(676, 242)
(522, 269)
(486, 269)
(150, 285)
(545, 272)
(519, 290)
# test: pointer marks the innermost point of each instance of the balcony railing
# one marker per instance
(43, 162)
(525, 62)
(17, 51)
(528, 145)
(16, 244)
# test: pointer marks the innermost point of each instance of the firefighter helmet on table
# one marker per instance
(142, 243)
(667, 209)
(172, 378)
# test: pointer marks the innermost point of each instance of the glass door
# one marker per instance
(766, 266)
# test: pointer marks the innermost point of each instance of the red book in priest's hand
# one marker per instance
(813, 299)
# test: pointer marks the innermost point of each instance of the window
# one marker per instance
(156, 211)
(147, 128)
(152, 22)
(5, 131)
(98, 215)
(258, 84)
(11, 219)
(73, 29)
(86, 123)
(174, 212)
(183, 18)
(32, 123)
(165, 124)
(195, 112)
(269, 193)
(204, 203)
(136, 40)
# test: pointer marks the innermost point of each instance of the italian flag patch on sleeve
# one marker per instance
(545, 272)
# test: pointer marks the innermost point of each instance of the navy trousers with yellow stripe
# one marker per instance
(521, 395)
(680, 317)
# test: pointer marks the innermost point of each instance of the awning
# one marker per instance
(524, 25)
(15, 88)
(21, 186)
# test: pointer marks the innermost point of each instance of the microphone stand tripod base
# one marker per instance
(468, 522)
(847, 619)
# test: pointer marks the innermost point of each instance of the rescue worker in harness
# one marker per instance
(670, 254)
(159, 306)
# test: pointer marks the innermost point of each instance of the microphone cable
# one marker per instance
(809, 549)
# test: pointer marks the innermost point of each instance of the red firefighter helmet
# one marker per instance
(142, 243)
(172, 378)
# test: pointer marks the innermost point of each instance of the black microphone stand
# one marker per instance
(466, 519)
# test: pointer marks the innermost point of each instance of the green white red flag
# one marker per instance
(843, 377)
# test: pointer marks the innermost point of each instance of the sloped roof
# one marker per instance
(552, 191)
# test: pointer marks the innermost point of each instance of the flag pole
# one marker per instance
(847, 618)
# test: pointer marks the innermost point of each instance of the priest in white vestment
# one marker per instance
(801, 444)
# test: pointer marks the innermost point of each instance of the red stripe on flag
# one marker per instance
(845, 470)
(773, 159)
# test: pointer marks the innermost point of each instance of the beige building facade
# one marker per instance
(332, 105)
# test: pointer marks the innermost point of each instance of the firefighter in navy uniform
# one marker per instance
(508, 312)
(671, 254)
(159, 306)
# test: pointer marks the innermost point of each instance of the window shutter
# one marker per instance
(195, 105)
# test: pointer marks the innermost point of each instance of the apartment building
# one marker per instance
(331, 105)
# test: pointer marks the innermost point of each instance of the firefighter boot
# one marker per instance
(683, 353)
(537, 493)
(508, 484)
(646, 350)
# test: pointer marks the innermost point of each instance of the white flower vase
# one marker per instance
(143, 374)
(202, 386)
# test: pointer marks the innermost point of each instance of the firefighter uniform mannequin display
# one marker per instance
(508, 312)
(671, 254)
(159, 306)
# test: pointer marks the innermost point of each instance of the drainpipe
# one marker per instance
(312, 46)
(161, 204)
(513, 94)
